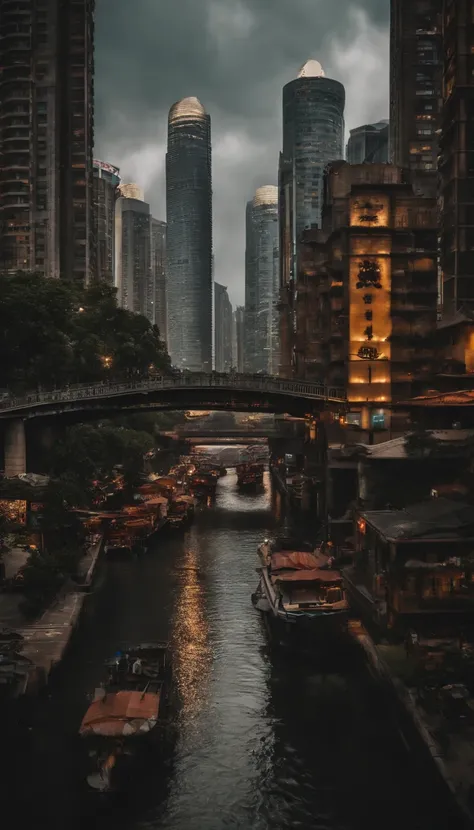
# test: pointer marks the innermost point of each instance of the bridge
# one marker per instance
(232, 392)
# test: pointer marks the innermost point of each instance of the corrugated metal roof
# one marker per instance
(465, 397)
(396, 448)
(433, 519)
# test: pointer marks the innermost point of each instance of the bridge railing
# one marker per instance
(196, 380)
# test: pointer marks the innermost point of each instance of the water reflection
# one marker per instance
(263, 742)
(190, 634)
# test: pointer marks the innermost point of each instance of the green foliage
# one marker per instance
(53, 332)
(90, 452)
(44, 576)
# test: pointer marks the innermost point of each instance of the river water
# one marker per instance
(262, 742)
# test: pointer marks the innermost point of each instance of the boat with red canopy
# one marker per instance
(301, 591)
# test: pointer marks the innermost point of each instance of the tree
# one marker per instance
(53, 332)
(90, 453)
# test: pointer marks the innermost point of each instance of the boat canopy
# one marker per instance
(296, 560)
(122, 714)
(316, 575)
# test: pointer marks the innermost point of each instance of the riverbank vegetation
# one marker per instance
(54, 333)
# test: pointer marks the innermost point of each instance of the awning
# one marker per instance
(316, 575)
(297, 560)
(124, 713)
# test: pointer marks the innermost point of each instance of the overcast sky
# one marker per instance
(235, 56)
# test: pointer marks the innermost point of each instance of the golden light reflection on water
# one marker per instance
(190, 637)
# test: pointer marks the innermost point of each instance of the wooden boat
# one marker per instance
(181, 511)
(128, 712)
(250, 475)
(301, 594)
(203, 483)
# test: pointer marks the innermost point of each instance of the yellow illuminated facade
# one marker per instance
(370, 320)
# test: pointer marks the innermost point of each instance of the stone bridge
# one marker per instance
(232, 392)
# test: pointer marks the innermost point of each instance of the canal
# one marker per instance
(262, 741)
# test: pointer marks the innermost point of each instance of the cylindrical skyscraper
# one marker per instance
(261, 282)
(189, 236)
(313, 136)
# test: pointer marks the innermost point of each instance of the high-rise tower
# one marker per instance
(456, 162)
(369, 144)
(189, 236)
(261, 282)
(106, 192)
(416, 68)
(46, 138)
(313, 136)
(158, 275)
(133, 276)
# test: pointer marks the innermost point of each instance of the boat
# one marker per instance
(250, 476)
(128, 713)
(203, 483)
(181, 511)
(301, 594)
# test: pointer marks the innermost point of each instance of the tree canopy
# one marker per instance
(53, 332)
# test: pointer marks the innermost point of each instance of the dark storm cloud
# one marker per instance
(235, 55)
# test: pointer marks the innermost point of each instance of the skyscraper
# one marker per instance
(239, 315)
(416, 61)
(261, 282)
(106, 192)
(131, 190)
(456, 163)
(222, 328)
(133, 256)
(313, 135)
(189, 236)
(369, 144)
(46, 138)
(158, 275)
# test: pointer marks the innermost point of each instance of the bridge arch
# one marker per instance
(233, 392)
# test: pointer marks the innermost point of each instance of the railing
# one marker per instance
(191, 380)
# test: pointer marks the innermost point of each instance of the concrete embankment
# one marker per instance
(415, 727)
(45, 641)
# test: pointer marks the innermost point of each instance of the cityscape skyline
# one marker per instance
(246, 129)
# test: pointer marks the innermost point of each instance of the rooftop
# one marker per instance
(435, 519)
(465, 397)
(311, 69)
(397, 448)
(186, 109)
(266, 195)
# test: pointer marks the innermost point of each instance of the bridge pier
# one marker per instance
(15, 448)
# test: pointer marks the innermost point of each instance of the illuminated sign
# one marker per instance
(107, 168)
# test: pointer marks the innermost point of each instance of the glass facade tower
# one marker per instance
(189, 236)
(261, 282)
(313, 136)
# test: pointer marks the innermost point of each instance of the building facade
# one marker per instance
(456, 162)
(262, 282)
(239, 316)
(368, 290)
(223, 324)
(369, 144)
(106, 192)
(189, 236)
(313, 136)
(133, 256)
(46, 138)
(158, 276)
(416, 68)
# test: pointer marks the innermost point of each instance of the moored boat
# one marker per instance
(302, 596)
(250, 476)
(181, 511)
(129, 712)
